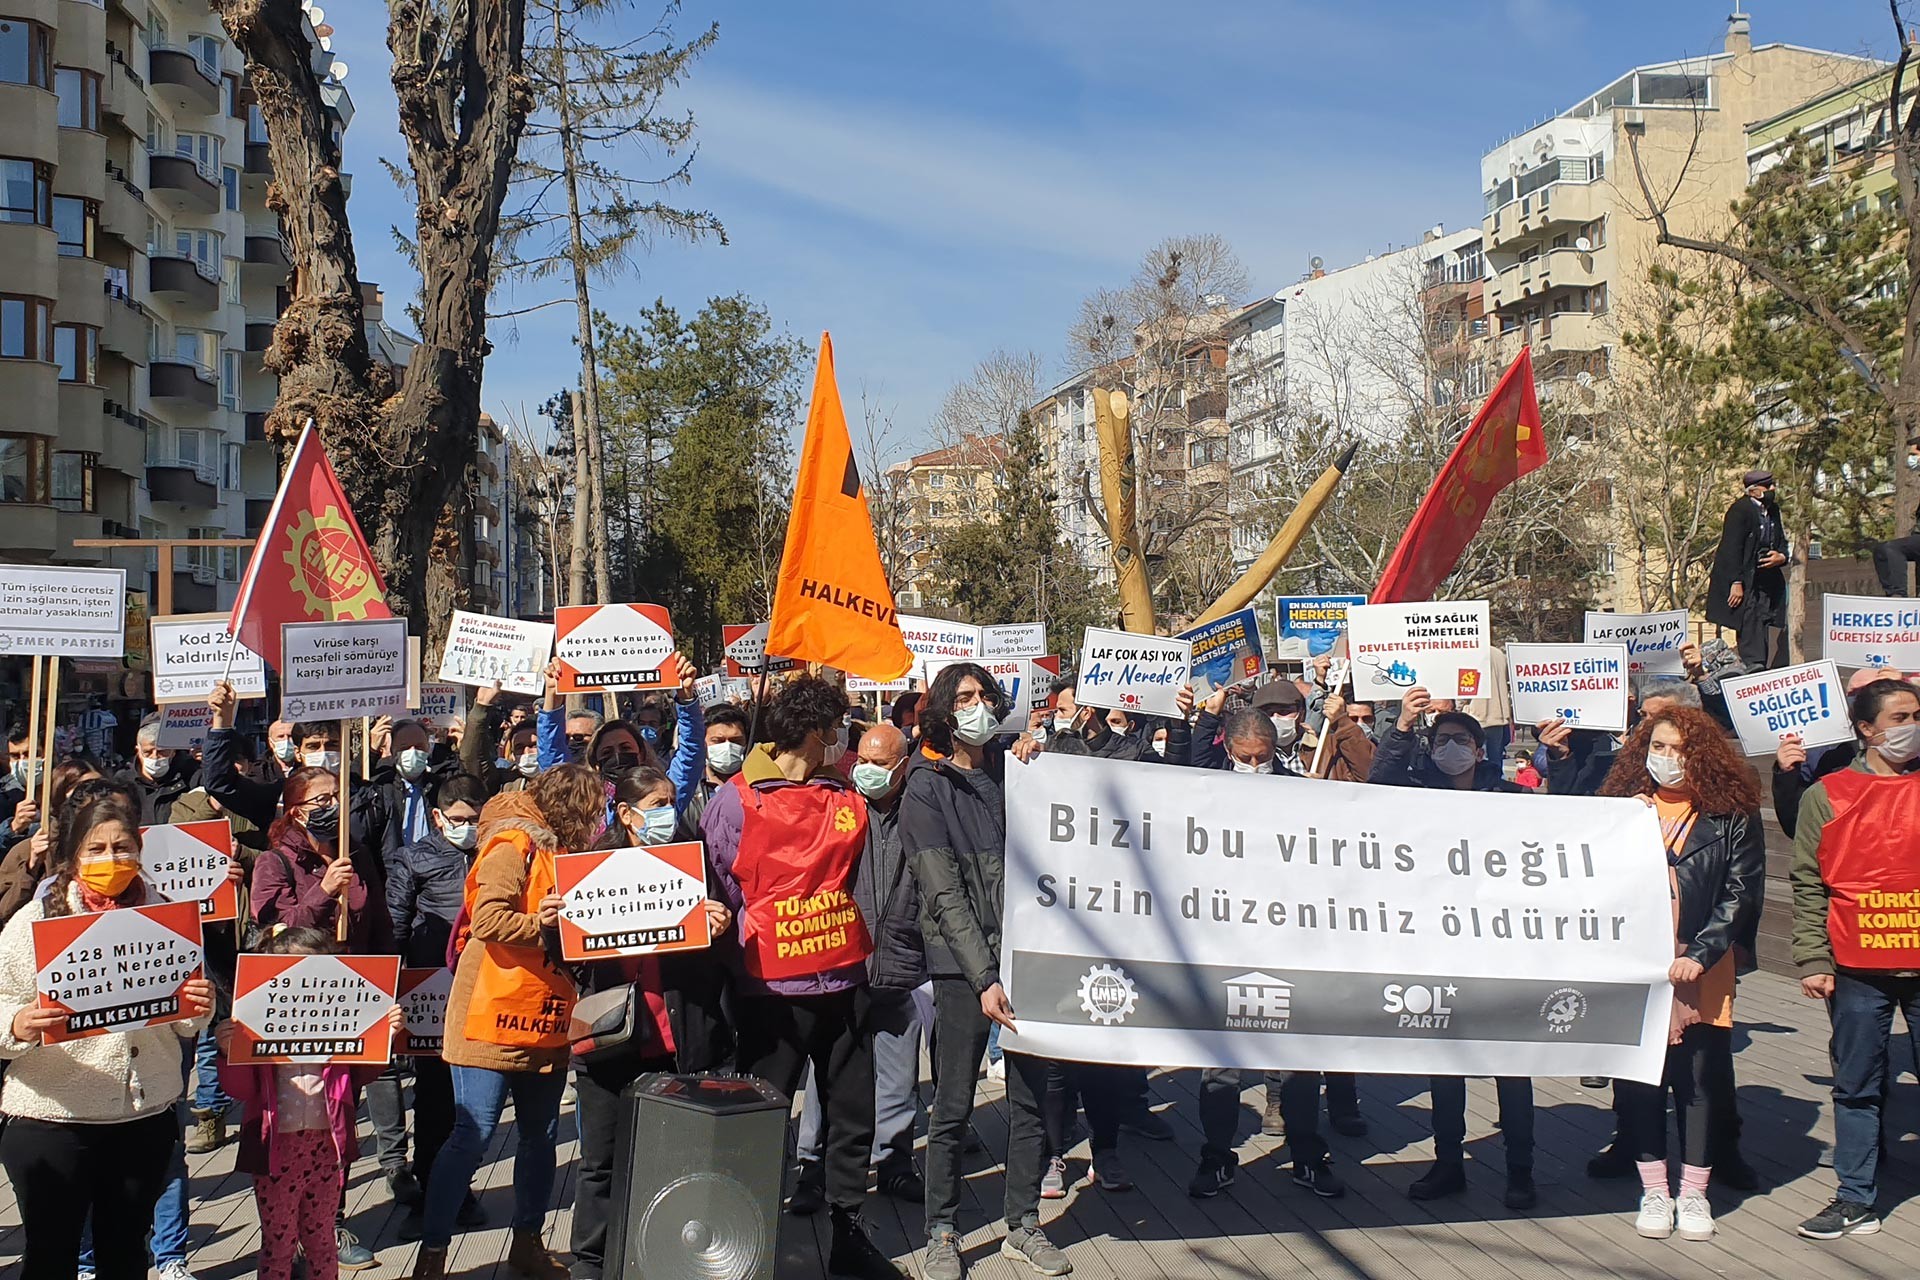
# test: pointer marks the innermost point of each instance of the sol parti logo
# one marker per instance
(1563, 1007)
(1420, 1006)
(1107, 994)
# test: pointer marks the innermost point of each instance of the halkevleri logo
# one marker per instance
(1258, 1002)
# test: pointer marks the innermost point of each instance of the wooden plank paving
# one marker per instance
(1264, 1226)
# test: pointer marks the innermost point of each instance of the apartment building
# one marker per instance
(1849, 129)
(935, 493)
(140, 275)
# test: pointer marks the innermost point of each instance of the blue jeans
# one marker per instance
(1862, 1014)
(206, 1074)
(479, 1096)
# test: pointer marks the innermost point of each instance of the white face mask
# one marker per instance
(1158, 746)
(461, 835)
(1900, 743)
(975, 725)
(1286, 730)
(1667, 771)
(529, 763)
(285, 750)
(1913, 462)
(412, 763)
(328, 760)
(725, 758)
(1241, 766)
(872, 780)
(1454, 758)
(1063, 724)
(836, 747)
(156, 767)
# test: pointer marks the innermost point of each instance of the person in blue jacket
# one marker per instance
(619, 745)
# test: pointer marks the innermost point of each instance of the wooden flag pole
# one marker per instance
(346, 830)
(46, 727)
(33, 727)
(366, 747)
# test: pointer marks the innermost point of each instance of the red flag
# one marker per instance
(1503, 444)
(312, 563)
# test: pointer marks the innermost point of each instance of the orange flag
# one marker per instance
(312, 563)
(833, 604)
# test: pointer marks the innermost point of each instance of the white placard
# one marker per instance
(927, 639)
(343, 670)
(190, 656)
(1014, 640)
(1442, 647)
(1233, 920)
(1653, 640)
(1582, 684)
(709, 691)
(1810, 700)
(482, 650)
(440, 701)
(1872, 631)
(1135, 673)
(184, 728)
(423, 995)
(69, 612)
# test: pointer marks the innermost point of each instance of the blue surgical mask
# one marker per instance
(656, 825)
(649, 734)
(872, 780)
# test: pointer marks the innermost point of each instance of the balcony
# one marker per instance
(123, 213)
(180, 187)
(1569, 267)
(259, 161)
(259, 334)
(266, 257)
(1535, 216)
(191, 484)
(83, 163)
(181, 81)
(124, 438)
(28, 123)
(257, 427)
(123, 95)
(30, 390)
(182, 383)
(1205, 408)
(27, 530)
(1576, 331)
(193, 590)
(183, 282)
(128, 331)
(72, 526)
(83, 428)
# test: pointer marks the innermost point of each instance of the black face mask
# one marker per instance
(612, 767)
(324, 824)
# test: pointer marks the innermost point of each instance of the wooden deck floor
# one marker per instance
(1266, 1227)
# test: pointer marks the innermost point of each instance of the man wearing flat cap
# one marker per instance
(1748, 590)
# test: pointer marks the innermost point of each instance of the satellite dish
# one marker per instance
(340, 69)
(1584, 378)
(316, 15)
(1451, 258)
(326, 42)
(1583, 244)
(1316, 263)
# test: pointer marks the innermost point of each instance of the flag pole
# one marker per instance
(346, 830)
(33, 726)
(46, 754)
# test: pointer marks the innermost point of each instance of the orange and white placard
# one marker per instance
(116, 970)
(313, 1008)
(632, 902)
(188, 862)
(614, 647)
(423, 995)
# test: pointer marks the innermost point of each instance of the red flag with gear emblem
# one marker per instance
(311, 563)
(1504, 443)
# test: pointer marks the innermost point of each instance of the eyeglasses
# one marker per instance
(1452, 739)
(1366, 719)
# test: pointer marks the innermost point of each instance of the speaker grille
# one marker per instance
(704, 1226)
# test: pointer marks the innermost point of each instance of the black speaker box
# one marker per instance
(696, 1179)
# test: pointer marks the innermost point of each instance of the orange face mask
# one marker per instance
(107, 878)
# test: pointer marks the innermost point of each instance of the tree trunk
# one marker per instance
(582, 494)
(1797, 593)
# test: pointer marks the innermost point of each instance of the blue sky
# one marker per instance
(931, 181)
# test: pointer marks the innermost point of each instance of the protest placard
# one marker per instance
(313, 1008)
(745, 647)
(438, 701)
(1027, 682)
(709, 691)
(190, 654)
(615, 647)
(632, 902)
(184, 728)
(423, 997)
(190, 862)
(1442, 647)
(1218, 919)
(927, 639)
(1014, 640)
(1135, 673)
(1810, 700)
(1318, 621)
(1653, 640)
(116, 970)
(68, 612)
(1582, 684)
(1872, 631)
(343, 670)
(1225, 651)
(483, 650)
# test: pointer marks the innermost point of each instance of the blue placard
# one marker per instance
(1225, 650)
(1319, 620)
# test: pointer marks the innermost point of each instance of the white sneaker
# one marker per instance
(1053, 1183)
(84, 1273)
(1656, 1215)
(175, 1269)
(997, 1069)
(1694, 1216)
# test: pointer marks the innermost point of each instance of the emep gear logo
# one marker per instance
(1107, 994)
(328, 573)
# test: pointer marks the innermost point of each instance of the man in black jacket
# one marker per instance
(160, 775)
(1748, 588)
(404, 780)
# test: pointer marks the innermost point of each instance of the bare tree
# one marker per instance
(983, 408)
(877, 450)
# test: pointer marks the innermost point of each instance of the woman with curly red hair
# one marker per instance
(1679, 763)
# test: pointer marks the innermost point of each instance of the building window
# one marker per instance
(73, 481)
(76, 349)
(206, 51)
(230, 383)
(234, 107)
(232, 276)
(26, 53)
(23, 468)
(230, 182)
(26, 328)
(156, 135)
(937, 480)
(201, 148)
(79, 98)
(202, 246)
(256, 125)
(1597, 299)
(76, 222)
(26, 191)
(229, 467)
(198, 347)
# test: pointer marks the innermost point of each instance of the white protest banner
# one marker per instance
(1135, 673)
(1583, 684)
(710, 692)
(63, 611)
(482, 650)
(745, 648)
(192, 862)
(1653, 640)
(1014, 640)
(1234, 920)
(184, 728)
(1440, 647)
(116, 970)
(343, 670)
(439, 701)
(423, 996)
(1027, 682)
(927, 639)
(614, 647)
(1872, 631)
(1810, 700)
(313, 1008)
(190, 656)
(632, 902)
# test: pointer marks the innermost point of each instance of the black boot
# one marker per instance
(855, 1257)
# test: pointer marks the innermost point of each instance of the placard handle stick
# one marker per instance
(366, 747)
(33, 721)
(346, 832)
(46, 727)
(1336, 680)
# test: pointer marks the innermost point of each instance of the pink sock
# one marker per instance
(1694, 1178)
(1653, 1174)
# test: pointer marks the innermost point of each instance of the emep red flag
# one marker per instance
(116, 970)
(189, 862)
(1504, 443)
(833, 604)
(311, 563)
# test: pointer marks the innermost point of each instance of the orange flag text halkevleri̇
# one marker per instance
(832, 603)
(312, 563)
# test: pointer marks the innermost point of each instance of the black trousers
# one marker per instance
(1758, 652)
(1890, 560)
(1449, 1095)
(1105, 1091)
(960, 1040)
(1700, 1073)
(432, 1113)
(596, 1101)
(780, 1035)
(1299, 1106)
(1343, 1093)
(62, 1172)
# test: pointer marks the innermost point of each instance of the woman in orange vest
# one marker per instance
(506, 1022)
(1856, 931)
